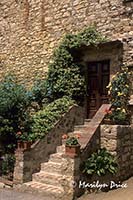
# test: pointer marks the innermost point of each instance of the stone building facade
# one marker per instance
(31, 29)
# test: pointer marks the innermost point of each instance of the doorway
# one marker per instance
(98, 76)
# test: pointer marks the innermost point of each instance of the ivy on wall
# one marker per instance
(65, 76)
(45, 119)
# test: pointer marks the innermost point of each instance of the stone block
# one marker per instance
(2, 185)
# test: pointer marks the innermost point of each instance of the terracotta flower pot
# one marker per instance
(23, 145)
(19, 145)
(72, 150)
(27, 144)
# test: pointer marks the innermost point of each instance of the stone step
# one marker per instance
(60, 149)
(86, 122)
(80, 128)
(47, 189)
(47, 178)
(56, 157)
(51, 167)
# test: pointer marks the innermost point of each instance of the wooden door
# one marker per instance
(97, 81)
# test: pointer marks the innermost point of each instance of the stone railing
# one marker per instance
(92, 138)
(90, 142)
(117, 139)
(28, 161)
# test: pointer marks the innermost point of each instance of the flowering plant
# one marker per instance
(119, 97)
(65, 136)
(21, 136)
(73, 140)
(29, 137)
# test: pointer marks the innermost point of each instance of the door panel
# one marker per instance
(97, 80)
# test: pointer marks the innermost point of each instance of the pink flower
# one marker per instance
(65, 136)
(107, 111)
(78, 135)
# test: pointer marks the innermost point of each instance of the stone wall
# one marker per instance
(112, 51)
(29, 30)
(29, 161)
(118, 139)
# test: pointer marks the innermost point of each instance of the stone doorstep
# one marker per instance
(87, 120)
(48, 178)
(86, 123)
(36, 187)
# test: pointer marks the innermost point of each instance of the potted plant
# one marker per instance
(23, 140)
(19, 140)
(107, 119)
(72, 147)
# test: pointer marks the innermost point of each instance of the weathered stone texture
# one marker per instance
(29, 30)
(118, 139)
(29, 161)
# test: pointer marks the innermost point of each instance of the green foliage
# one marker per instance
(119, 96)
(26, 136)
(13, 96)
(8, 162)
(44, 120)
(119, 116)
(14, 101)
(88, 36)
(38, 92)
(100, 163)
(72, 141)
(65, 76)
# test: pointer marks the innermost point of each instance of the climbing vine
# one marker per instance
(65, 75)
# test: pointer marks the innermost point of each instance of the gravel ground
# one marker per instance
(9, 194)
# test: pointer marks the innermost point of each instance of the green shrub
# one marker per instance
(39, 92)
(100, 163)
(14, 101)
(8, 162)
(44, 120)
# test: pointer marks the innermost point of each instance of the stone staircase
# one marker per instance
(57, 174)
(51, 178)
(48, 180)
